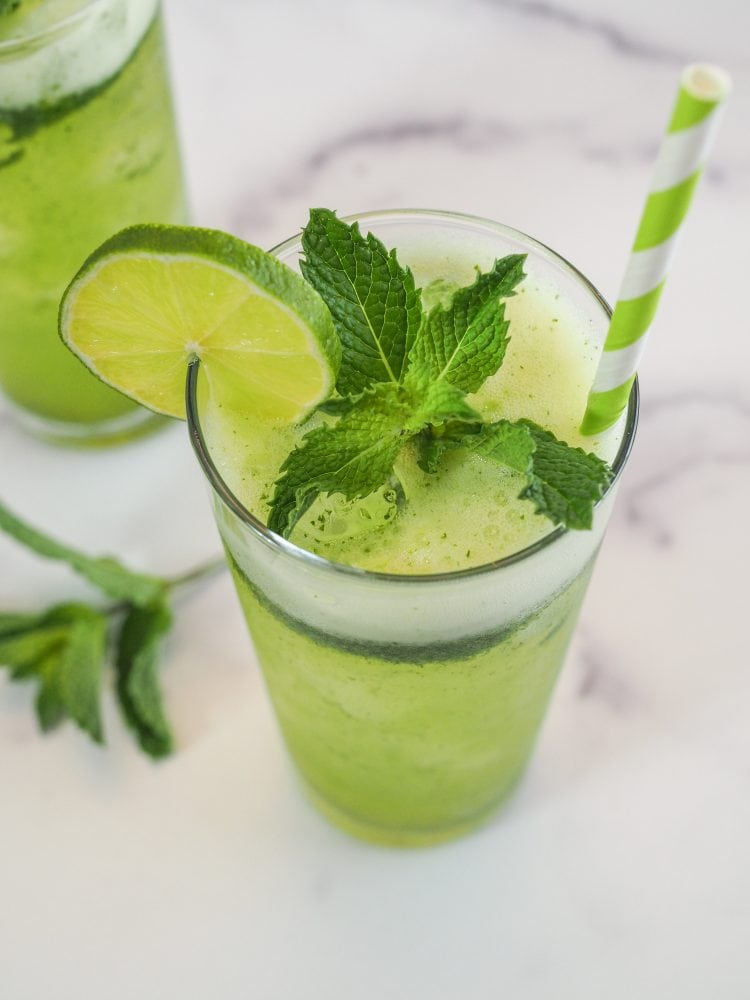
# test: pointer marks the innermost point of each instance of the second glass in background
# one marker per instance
(87, 146)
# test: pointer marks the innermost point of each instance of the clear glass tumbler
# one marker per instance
(410, 704)
(87, 146)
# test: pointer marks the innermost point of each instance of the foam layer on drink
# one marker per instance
(52, 49)
(468, 513)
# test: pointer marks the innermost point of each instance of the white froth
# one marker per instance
(85, 51)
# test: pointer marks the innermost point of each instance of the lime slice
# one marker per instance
(153, 297)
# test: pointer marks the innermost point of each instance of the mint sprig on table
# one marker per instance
(66, 648)
(404, 377)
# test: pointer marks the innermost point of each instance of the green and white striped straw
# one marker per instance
(682, 156)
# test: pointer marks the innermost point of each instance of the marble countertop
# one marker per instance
(621, 869)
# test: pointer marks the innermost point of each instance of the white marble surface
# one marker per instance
(622, 867)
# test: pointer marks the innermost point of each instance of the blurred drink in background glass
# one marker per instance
(87, 146)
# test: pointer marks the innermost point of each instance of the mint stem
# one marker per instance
(201, 572)
(183, 581)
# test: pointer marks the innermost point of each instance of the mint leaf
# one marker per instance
(336, 406)
(434, 402)
(508, 443)
(14, 622)
(464, 342)
(503, 441)
(137, 664)
(50, 708)
(354, 457)
(430, 449)
(78, 676)
(64, 649)
(106, 573)
(563, 482)
(566, 481)
(373, 301)
(22, 651)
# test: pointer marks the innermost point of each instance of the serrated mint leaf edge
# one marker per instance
(441, 325)
(375, 357)
(343, 468)
(580, 509)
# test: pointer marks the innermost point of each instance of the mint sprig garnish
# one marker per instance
(404, 377)
(66, 648)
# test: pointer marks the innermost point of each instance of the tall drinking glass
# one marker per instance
(87, 146)
(410, 704)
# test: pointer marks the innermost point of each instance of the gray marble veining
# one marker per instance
(603, 29)
(621, 869)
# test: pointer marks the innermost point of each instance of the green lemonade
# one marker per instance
(87, 146)
(410, 702)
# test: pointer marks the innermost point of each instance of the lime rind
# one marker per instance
(151, 297)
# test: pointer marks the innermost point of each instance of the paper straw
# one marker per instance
(682, 156)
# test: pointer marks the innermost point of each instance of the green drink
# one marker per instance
(410, 648)
(87, 145)
(379, 452)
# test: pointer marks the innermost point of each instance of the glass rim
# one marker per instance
(280, 544)
(36, 38)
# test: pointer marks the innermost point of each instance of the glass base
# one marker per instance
(99, 434)
(405, 837)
